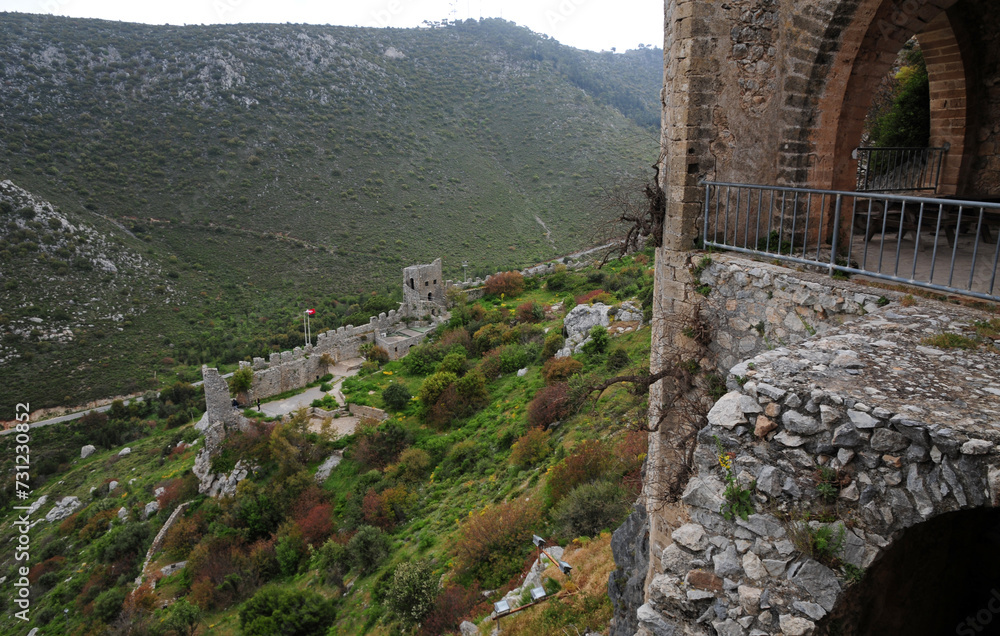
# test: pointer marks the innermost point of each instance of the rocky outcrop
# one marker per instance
(63, 509)
(630, 547)
(582, 318)
(87, 451)
(218, 484)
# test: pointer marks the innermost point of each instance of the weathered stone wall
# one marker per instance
(423, 289)
(755, 306)
(762, 91)
(367, 412)
(910, 431)
(397, 346)
(294, 369)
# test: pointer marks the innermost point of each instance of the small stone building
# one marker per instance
(423, 290)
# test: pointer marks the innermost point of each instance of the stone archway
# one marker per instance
(939, 577)
(868, 49)
(832, 441)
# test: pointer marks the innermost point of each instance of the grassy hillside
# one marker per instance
(426, 511)
(267, 166)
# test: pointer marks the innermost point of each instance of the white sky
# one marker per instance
(586, 24)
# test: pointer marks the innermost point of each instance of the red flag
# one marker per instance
(310, 312)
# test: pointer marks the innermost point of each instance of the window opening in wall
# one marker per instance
(426, 284)
(412, 286)
(430, 296)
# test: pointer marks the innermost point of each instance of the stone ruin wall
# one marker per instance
(294, 369)
(824, 387)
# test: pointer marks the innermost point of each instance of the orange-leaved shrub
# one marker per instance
(531, 311)
(530, 448)
(551, 403)
(589, 296)
(588, 462)
(508, 283)
(493, 541)
(452, 606)
(560, 369)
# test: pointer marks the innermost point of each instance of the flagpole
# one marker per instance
(305, 327)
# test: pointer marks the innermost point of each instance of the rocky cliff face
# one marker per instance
(630, 546)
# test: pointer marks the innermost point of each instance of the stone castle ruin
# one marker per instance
(869, 454)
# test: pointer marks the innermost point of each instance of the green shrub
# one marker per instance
(291, 550)
(452, 363)
(288, 612)
(591, 508)
(332, 562)
(554, 341)
(513, 358)
(108, 604)
(598, 342)
(123, 542)
(368, 548)
(617, 359)
(472, 390)
(396, 396)
(412, 591)
(413, 464)
(531, 311)
(434, 385)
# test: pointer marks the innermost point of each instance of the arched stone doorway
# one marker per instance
(956, 59)
(939, 577)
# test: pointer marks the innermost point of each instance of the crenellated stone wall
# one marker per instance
(289, 370)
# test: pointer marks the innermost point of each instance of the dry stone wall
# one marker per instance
(909, 430)
(754, 306)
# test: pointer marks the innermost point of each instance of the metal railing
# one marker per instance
(899, 169)
(952, 245)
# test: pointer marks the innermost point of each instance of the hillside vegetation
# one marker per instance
(426, 520)
(264, 168)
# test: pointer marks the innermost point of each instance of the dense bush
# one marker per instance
(332, 562)
(433, 386)
(591, 508)
(530, 448)
(289, 612)
(598, 342)
(588, 462)
(413, 464)
(560, 369)
(378, 445)
(452, 363)
(461, 458)
(513, 358)
(374, 353)
(617, 359)
(412, 591)
(396, 396)
(451, 607)
(493, 541)
(531, 311)
(126, 542)
(551, 403)
(367, 548)
(491, 336)
(510, 284)
(554, 341)
(489, 366)
(108, 604)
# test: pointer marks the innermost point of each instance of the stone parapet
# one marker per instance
(903, 431)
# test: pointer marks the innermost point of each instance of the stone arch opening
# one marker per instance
(939, 577)
(412, 284)
(430, 296)
(869, 54)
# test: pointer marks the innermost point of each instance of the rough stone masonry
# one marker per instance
(911, 431)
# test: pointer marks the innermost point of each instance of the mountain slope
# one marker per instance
(274, 163)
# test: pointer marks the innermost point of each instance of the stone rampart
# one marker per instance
(899, 430)
(368, 412)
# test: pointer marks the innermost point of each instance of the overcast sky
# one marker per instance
(587, 24)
